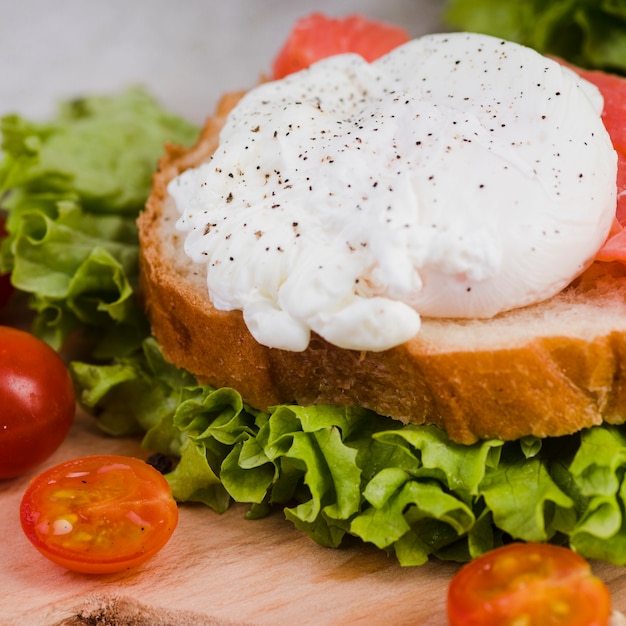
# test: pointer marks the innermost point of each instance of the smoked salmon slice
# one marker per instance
(613, 89)
(317, 36)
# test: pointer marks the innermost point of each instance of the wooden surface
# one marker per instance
(221, 570)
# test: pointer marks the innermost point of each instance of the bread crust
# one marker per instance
(546, 370)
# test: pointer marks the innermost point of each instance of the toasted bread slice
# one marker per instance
(545, 370)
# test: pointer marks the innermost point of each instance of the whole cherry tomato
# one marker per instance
(533, 584)
(37, 401)
(99, 514)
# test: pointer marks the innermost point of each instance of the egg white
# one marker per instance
(458, 176)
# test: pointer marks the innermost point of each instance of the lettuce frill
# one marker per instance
(72, 189)
(339, 472)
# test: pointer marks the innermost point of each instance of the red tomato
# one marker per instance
(99, 514)
(533, 584)
(316, 37)
(6, 289)
(37, 400)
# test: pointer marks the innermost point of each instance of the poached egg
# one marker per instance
(458, 176)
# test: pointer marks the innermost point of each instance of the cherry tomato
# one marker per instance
(6, 288)
(99, 514)
(37, 401)
(316, 37)
(533, 584)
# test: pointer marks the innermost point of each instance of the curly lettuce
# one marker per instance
(588, 33)
(348, 472)
(73, 188)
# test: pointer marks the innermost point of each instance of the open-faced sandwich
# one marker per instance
(420, 237)
(386, 291)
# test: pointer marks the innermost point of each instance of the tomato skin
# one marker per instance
(533, 584)
(317, 36)
(37, 401)
(99, 514)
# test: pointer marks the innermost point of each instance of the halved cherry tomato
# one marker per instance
(99, 514)
(533, 584)
(317, 36)
(6, 288)
(36, 398)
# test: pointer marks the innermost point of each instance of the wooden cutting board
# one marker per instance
(221, 570)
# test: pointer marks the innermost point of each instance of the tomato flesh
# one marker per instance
(37, 401)
(531, 584)
(317, 36)
(99, 514)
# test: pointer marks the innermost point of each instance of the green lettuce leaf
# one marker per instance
(588, 33)
(348, 472)
(73, 188)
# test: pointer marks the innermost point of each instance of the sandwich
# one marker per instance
(434, 433)
(473, 373)
(532, 374)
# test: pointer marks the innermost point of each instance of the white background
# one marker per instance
(186, 52)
